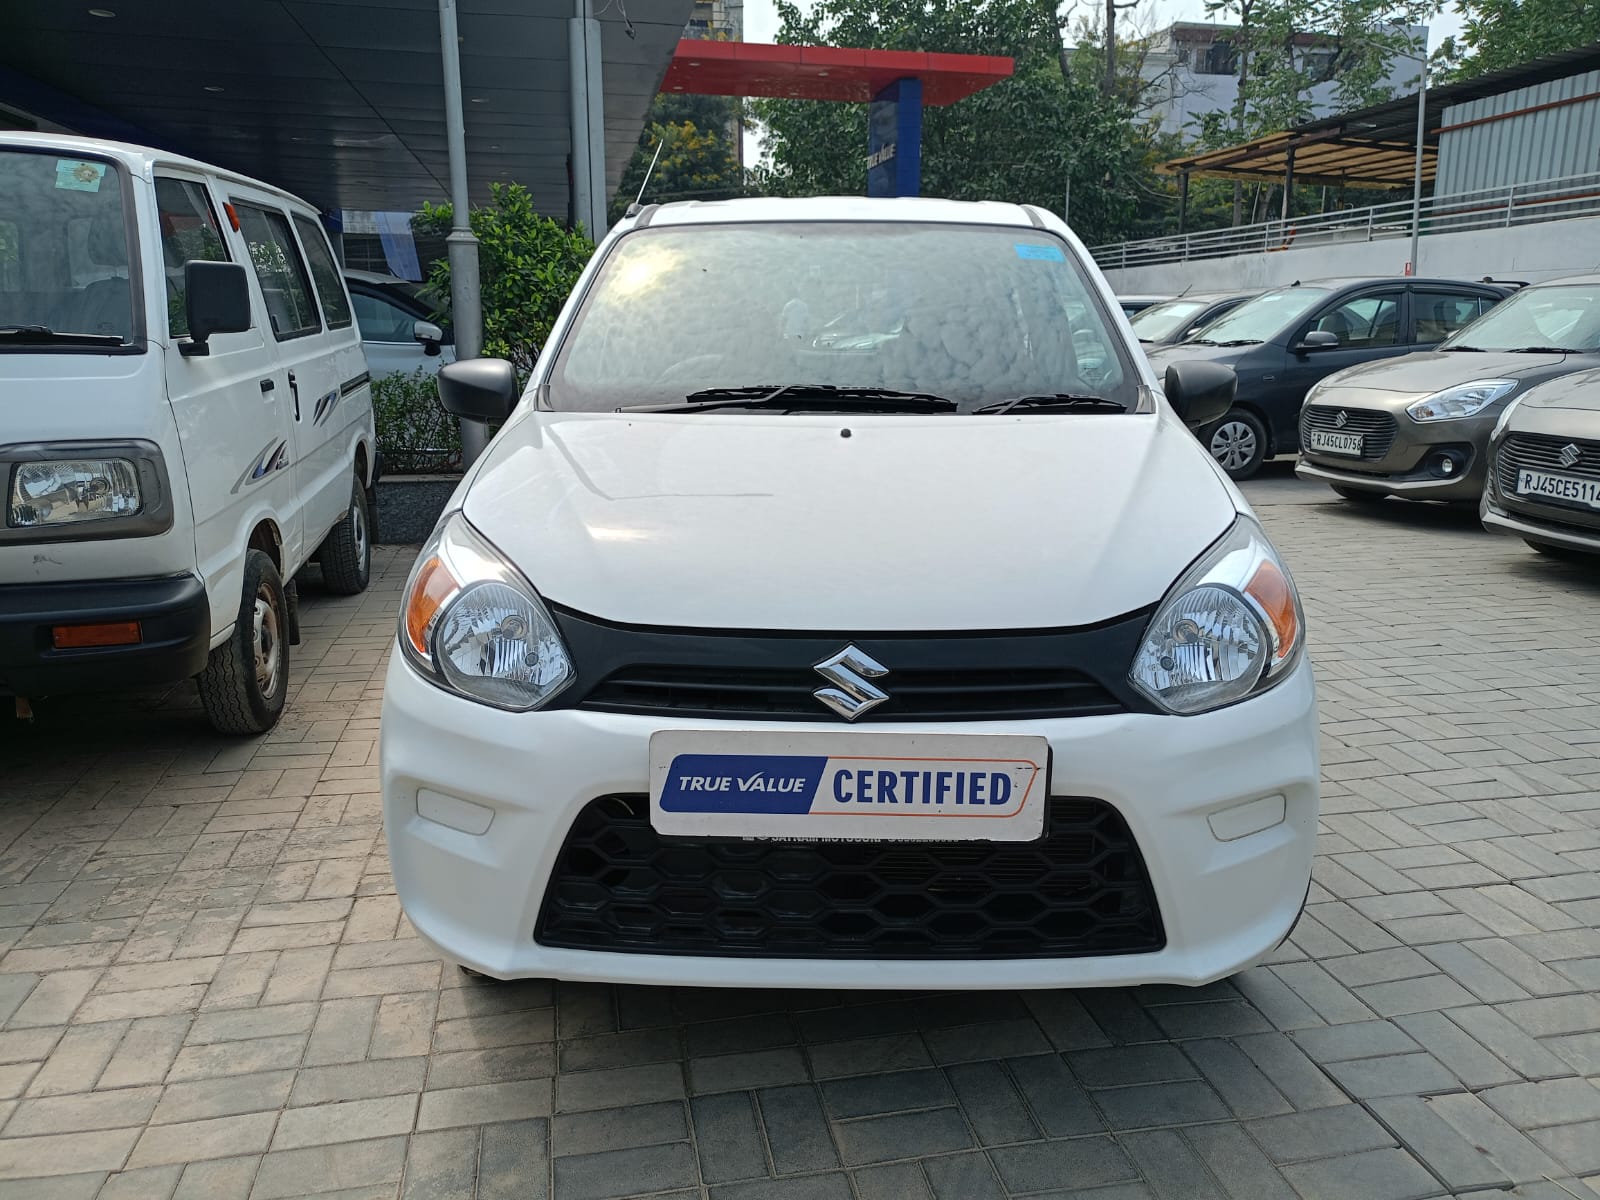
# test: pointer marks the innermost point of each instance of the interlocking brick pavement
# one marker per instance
(208, 990)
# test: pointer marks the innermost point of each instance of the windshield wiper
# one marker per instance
(1548, 350)
(1461, 350)
(1238, 342)
(812, 397)
(1201, 342)
(39, 335)
(1064, 401)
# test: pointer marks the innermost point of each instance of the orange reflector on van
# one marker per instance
(111, 633)
(233, 217)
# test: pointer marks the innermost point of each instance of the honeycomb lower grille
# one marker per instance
(1081, 890)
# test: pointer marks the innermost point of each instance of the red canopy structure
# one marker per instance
(826, 72)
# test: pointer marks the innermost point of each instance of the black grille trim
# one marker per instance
(759, 675)
(1540, 452)
(1377, 428)
(1082, 890)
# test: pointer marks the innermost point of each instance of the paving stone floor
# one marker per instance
(208, 991)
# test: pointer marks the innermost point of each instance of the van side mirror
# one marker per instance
(1317, 339)
(429, 334)
(216, 299)
(478, 389)
(1199, 392)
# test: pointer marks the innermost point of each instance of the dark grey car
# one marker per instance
(1419, 426)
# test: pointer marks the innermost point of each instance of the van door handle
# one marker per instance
(266, 386)
(295, 392)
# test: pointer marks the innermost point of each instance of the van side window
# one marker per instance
(285, 286)
(330, 287)
(189, 233)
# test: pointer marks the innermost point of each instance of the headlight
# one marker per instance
(68, 491)
(1232, 626)
(474, 626)
(1463, 400)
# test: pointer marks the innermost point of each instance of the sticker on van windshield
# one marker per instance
(1041, 253)
(75, 175)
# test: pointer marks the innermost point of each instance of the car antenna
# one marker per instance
(634, 208)
(1184, 293)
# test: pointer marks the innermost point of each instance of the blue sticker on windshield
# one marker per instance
(1041, 253)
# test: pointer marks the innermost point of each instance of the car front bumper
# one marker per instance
(1404, 469)
(1554, 532)
(173, 615)
(503, 789)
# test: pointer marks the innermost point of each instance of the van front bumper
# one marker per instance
(173, 616)
(502, 790)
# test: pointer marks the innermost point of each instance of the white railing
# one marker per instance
(1515, 204)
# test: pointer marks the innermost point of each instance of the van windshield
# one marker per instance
(971, 314)
(65, 277)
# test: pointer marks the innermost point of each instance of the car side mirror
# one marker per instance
(1199, 392)
(216, 299)
(1317, 339)
(478, 389)
(429, 334)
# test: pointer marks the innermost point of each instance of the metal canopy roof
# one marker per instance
(1374, 145)
(826, 72)
(340, 101)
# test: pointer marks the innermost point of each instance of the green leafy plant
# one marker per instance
(415, 434)
(527, 263)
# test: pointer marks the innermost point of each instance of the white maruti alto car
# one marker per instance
(826, 614)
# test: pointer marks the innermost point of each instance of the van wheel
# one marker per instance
(346, 553)
(1238, 442)
(246, 678)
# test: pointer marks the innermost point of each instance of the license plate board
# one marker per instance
(848, 787)
(1328, 441)
(1546, 485)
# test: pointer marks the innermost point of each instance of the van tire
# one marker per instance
(242, 692)
(346, 553)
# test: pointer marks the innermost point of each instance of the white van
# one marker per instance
(180, 432)
(844, 606)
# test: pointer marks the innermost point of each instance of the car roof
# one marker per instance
(377, 278)
(1586, 277)
(1213, 297)
(910, 209)
(141, 160)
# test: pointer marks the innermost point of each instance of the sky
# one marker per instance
(761, 25)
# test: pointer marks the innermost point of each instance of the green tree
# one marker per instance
(698, 158)
(528, 264)
(1497, 34)
(1026, 139)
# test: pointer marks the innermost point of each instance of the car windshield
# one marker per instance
(972, 314)
(1264, 317)
(1164, 320)
(1558, 316)
(64, 263)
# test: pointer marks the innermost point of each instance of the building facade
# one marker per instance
(1192, 69)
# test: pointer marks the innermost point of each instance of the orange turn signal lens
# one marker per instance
(109, 633)
(1270, 589)
(430, 590)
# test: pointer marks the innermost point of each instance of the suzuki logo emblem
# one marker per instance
(851, 673)
(1570, 455)
(1341, 420)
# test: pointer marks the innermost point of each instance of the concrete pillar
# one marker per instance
(588, 120)
(466, 293)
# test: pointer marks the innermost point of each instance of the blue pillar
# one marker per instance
(894, 140)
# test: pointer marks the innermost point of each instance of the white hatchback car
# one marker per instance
(825, 616)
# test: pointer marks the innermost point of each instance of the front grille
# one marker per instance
(1376, 428)
(921, 695)
(1540, 452)
(720, 674)
(1080, 890)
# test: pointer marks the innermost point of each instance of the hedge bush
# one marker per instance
(415, 434)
